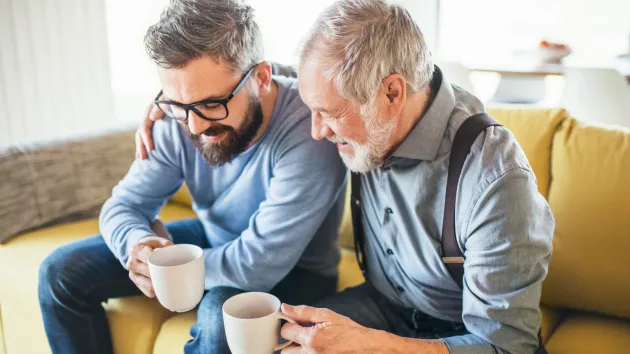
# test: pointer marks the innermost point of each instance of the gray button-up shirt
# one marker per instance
(504, 228)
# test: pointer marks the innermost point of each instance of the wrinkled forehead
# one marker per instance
(316, 90)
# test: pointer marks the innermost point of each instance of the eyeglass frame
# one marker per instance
(191, 106)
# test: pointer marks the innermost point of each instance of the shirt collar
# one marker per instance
(423, 141)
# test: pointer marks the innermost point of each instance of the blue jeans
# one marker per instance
(366, 306)
(76, 278)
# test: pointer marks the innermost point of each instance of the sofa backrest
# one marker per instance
(534, 130)
(590, 200)
(59, 181)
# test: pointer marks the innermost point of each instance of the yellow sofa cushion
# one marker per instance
(182, 196)
(551, 318)
(175, 333)
(590, 197)
(19, 307)
(349, 273)
(346, 231)
(134, 323)
(590, 334)
(534, 130)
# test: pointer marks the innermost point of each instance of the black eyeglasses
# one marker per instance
(210, 109)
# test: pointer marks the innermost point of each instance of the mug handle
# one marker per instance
(281, 316)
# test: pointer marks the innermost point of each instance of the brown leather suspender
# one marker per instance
(464, 138)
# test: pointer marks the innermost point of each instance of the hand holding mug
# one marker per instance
(252, 323)
(138, 262)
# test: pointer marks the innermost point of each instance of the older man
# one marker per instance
(368, 78)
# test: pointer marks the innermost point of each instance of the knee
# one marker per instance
(49, 270)
(211, 306)
(210, 313)
(55, 272)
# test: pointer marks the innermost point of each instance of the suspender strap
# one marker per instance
(355, 206)
(464, 138)
(451, 254)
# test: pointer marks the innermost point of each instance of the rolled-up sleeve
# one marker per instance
(507, 250)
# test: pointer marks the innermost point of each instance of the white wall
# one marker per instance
(425, 13)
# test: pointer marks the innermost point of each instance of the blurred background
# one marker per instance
(72, 68)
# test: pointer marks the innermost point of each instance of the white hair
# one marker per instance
(363, 42)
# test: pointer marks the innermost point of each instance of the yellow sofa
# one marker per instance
(583, 171)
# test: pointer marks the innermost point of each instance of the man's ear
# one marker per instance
(395, 89)
(263, 75)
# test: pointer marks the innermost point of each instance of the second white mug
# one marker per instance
(252, 323)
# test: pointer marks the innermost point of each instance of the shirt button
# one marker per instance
(389, 251)
(389, 210)
(400, 289)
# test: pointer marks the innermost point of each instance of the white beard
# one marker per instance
(372, 154)
(360, 161)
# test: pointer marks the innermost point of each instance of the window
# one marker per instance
(489, 31)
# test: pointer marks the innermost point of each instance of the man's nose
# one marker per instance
(197, 125)
(319, 129)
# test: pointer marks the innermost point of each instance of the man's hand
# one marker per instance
(138, 263)
(144, 139)
(332, 333)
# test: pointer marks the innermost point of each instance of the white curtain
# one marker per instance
(54, 70)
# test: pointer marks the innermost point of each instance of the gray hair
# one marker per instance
(363, 42)
(225, 30)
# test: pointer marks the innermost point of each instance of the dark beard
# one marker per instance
(235, 142)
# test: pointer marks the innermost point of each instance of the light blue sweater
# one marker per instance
(276, 205)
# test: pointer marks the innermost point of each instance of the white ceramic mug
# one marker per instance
(252, 323)
(177, 274)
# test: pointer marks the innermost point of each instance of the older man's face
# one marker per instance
(361, 136)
